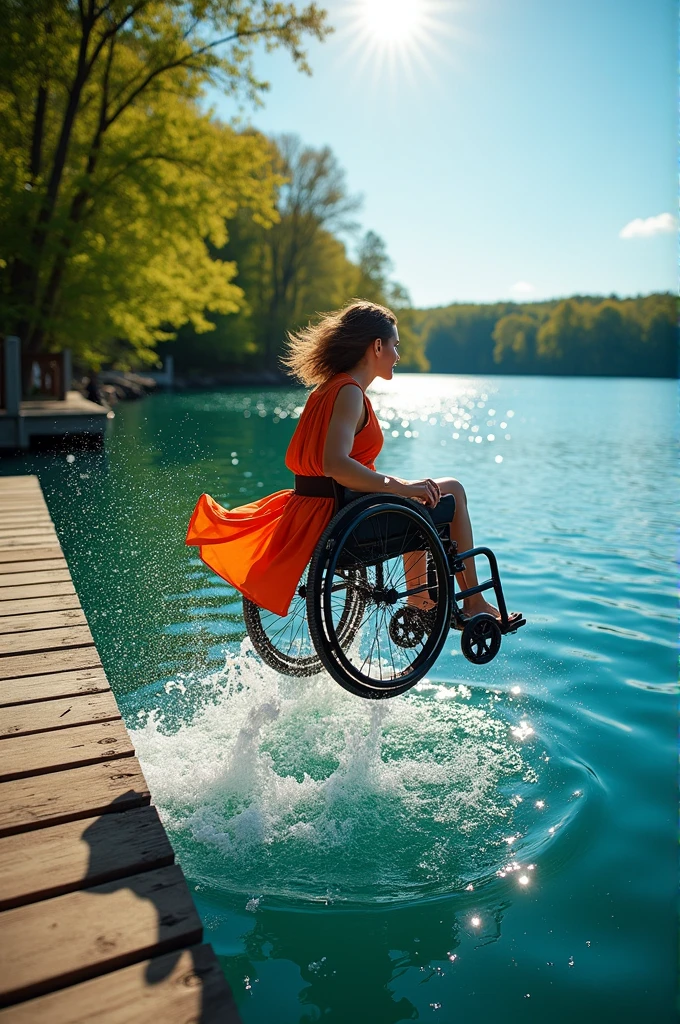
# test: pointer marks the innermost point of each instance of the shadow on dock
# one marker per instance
(158, 906)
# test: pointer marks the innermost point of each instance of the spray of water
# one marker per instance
(296, 788)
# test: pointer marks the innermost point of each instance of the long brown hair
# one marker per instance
(337, 342)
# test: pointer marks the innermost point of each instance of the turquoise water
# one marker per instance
(499, 843)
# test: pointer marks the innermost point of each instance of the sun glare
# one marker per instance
(391, 20)
(396, 37)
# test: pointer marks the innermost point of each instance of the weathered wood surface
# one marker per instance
(178, 988)
(37, 565)
(41, 753)
(29, 530)
(39, 541)
(95, 918)
(42, 800)
(52, 602)
(20, 579)
(52, 686)
(40, 619)
(15, 666)
(45, 639)
(81, 854)
(30, 554)
(30, 590)
(47, 715)
(53, 943)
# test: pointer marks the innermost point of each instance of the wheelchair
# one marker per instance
(351, 615)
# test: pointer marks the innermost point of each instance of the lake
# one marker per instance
(500, 842)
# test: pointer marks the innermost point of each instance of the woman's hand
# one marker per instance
(426, 491)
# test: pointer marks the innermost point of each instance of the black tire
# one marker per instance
(373, 534)
(284, 642)
(481, 639)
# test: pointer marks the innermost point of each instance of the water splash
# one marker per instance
(298, 789)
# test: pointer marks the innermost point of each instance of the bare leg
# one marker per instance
(461, 533)
(415, 568)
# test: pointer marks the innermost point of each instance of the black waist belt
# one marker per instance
(315, 486)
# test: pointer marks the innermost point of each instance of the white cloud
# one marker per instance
(662, 224)
(522, 290)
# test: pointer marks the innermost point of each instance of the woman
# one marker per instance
(262, 548)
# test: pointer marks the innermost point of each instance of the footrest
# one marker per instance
(512, 627)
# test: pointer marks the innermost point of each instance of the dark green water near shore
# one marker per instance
(500, 842)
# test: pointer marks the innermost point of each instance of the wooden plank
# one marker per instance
(45, 640)
(30, 554)
(35, 589)
(22, 517)
(18, 665)
(42, 620)
(15, 501)
(81, 854)
(71, 938)
(37, 565)
(26, 520)
(44, 752)
(49, 715)
(36, 802)
(52, 686)
(7, 543)
(178, 988)
(18, 579)
(27, 537)
(54, 602)
(29, 493)
(10, 532)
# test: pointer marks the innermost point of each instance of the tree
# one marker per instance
(312, 200)
(515, 337)
(560, 337)
(85, 85)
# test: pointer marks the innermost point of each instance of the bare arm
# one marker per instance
(347, 415)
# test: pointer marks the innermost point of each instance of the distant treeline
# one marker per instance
(582, 335)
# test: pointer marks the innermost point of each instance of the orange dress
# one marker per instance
(262, 548)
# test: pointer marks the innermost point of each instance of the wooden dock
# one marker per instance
(42, 418)
(97, 923)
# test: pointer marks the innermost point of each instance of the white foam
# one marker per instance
(295, 786)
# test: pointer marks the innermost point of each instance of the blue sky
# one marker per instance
(505, 161)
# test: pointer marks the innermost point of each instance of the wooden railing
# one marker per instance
(42, 376)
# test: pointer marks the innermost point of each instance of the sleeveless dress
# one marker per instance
(262, 548)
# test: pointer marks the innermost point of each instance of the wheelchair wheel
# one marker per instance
(481, 639)
(387, 551)
(283, 641)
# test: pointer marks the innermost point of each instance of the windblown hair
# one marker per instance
(337, 342)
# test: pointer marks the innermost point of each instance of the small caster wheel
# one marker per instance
(407, 628)
(481, 639)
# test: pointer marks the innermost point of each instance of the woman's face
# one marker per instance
(388, 356)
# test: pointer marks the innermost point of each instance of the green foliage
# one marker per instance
(293, 268)
(113, 181)
(578, 336)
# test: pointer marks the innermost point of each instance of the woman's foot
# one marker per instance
(472, 607)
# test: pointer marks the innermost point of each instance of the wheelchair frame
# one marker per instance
(344, 559)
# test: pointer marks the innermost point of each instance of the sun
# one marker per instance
(393, 21)
(393, 38)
